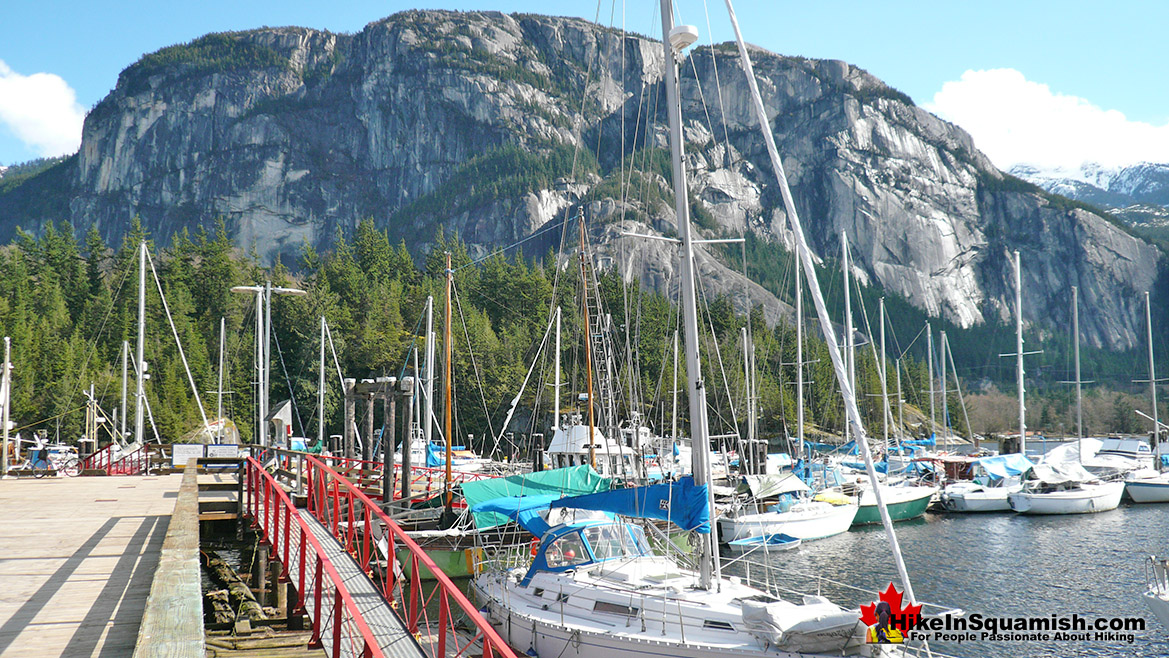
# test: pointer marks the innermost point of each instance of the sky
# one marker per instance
(1054, 84)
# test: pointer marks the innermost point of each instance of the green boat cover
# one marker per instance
(571, 481)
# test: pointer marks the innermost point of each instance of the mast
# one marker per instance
(884, 380)
(429, 411)
(321, 389)
(805, 256)
(674, 413)
(125, 364)
(945, 401)
(5, 390)
(259, 360)
(929, 341)
(1076, 333)
(140, 363)
(446, 413)
(1152, 382)
(264, 440)
(556, 389)
(1019, 355)
(800, 361)
(584, 304)
(699, 432)
(219, 402)
(849, 354)
(900, 400)
(748, 458)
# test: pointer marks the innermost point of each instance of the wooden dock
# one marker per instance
(77, 559)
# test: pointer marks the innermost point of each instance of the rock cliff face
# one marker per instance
(498, 126)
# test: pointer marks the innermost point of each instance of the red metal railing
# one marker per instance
(367, 475)
(321, 592)
(136, 462)
(373, 539)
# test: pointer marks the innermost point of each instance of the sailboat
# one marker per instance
(1150, 485)
(992, 493)
(596, 588)
(1066, 488)
(793, 513)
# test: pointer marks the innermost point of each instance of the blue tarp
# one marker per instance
(847, 448)
(880, 467)
(522, 509)
(1002, 466)
(681, 503)
(930, 442)
(435, 455)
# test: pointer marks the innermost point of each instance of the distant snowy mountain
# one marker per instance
(2, 170)
(1137, 193)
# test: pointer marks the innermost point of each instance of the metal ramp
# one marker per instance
(387, 628)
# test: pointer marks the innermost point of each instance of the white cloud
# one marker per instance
(1014, 120)
(41, 110)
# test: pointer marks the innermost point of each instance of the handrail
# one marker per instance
(100, 460)
(358, 522)
(355, 469)
(267, 502)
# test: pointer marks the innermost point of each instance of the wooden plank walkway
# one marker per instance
(77, 559)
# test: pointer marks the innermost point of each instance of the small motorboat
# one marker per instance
(775, 542)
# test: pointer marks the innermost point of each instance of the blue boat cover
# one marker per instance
(1001, 466)
(571, 481)
(525, 510)
(682, 503)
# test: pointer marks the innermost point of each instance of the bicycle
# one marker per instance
(40, 465)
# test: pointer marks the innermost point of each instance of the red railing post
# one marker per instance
(316, 639)
(338, 619)
(300, 572)
(444, 614)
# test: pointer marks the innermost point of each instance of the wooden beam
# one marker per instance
(172, 624)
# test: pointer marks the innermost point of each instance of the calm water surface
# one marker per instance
(1004, 565)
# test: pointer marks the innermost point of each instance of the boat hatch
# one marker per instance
(615, 608)
(718, 625)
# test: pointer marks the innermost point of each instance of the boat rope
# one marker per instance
(475, 368)
(805, 256)
(178, 343)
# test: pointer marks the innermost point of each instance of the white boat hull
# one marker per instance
(993, 499)
(1151, 490)
(1159, 604)
(544, 635)
(806, 521)
(1090, 499)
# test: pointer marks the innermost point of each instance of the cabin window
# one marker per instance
(718, 625)
(539, 591)
(566, 551)
(615, 609)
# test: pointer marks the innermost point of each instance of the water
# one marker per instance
(1003, 565)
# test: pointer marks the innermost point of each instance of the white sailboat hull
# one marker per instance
(542, 629)
(1090, 499)
(805, 521)
(1149, 489)
(980, 499)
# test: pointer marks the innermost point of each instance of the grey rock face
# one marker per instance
(439, 118)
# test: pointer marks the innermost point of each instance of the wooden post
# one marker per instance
(388, 442)
(350, 418)
(406, 387)
(367, 440)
